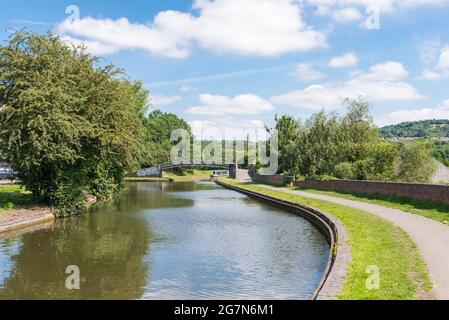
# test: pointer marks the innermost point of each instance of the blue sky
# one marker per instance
(229, 64)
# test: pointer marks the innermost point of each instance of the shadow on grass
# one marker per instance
(12, 196)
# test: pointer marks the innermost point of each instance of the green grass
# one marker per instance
(374, 242)
(189, 175)
(429, 209)
(12, 196)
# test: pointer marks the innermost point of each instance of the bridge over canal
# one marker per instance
(158, 170)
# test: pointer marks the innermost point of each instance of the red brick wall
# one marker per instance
(438, 193)
(273, 180)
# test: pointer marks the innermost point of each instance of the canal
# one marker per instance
(169, 241)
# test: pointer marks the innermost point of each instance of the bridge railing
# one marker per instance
(167, 166)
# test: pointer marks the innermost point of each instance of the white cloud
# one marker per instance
(388, 71)
(164, 37)
(94, 47)
(306, 72)
(384, 5)
(443, 62)
(228, 128)
(338, 14)
(381, 83)
(428, 74)
(246, 27)
(161, 100)
(245, 104)
(344, 61)
(405, 115)
(346, 15)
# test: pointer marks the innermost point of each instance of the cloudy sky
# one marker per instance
(235, 64)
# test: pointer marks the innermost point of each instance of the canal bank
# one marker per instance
(378, 248)
(22, 219)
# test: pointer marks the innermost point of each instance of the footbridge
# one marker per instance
(158, 170)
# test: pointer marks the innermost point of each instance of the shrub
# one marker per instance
(363, 169)
(67, 199)
(417, 164)
(344, 170)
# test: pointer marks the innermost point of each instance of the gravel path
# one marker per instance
(431, 237)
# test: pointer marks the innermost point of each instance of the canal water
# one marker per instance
(169, 241)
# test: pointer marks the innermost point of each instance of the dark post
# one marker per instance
(233, 168)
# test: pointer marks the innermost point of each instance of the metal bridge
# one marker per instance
(157, 171)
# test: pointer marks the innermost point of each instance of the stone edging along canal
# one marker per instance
(340, 252)
(18, 221)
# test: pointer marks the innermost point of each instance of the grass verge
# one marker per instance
(429, 209)
(12, 196)
(374, 242)
(189, 175)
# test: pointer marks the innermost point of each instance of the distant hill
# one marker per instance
(417, 129)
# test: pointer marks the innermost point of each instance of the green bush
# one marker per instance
(105, 181)
(68, 199)
(417, 163)
(363, 169)
(344, 170)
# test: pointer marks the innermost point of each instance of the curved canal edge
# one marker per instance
(335, 233)
(20, 221)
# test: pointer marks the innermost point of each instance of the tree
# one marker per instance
(357, 133)
(159, 127)
(417, 129)
(385, 158)
(68, 125)
(289, 133)
(417, 165)
(441, 152)
(319, 147)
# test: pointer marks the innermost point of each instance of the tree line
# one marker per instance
(329, 145)
(417, 129)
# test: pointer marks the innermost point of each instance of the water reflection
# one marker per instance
(109, 252)
(169, 241)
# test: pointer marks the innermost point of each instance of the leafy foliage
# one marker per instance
(159, 127)
(417, 162)
(349, 147)
(289, 129)
(329, 145)
(68, 125)
(441, 152)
